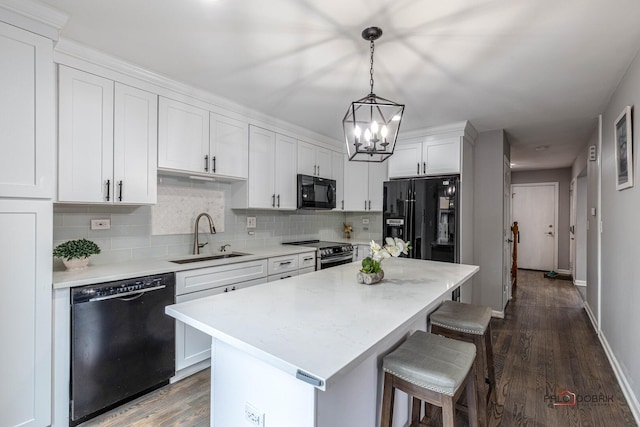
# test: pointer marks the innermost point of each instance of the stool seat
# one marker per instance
(467, 318)
(432, 362)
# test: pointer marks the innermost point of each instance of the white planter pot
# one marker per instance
(76, 263)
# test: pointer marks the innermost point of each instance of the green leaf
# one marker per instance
(76, 249)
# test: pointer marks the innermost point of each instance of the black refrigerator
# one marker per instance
(424, 211)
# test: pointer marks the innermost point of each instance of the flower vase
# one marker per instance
(75, 264)
(370, 278)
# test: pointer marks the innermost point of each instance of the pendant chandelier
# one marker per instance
(372, 123)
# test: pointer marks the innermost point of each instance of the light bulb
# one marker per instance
(367, 135)
(384, 131)
(374, 127)
(357, 132)
(396, 118)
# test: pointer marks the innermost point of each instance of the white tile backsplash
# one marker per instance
(131, 237)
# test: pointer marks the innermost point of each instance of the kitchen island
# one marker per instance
(307, 351)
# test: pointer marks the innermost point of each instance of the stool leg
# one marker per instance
(416, 405)
(448, 412)
(472, 397)
(481, 396)
(490, 366)
(386, 418)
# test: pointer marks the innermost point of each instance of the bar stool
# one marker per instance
(471, 323)
(432, 369)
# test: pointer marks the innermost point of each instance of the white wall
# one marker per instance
(581, 228)
(620, 268)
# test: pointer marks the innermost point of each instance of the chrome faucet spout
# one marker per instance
(196, 244)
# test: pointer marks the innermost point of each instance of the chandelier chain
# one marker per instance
(371, 49)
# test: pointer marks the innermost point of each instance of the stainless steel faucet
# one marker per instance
(223, 248)
(196, 244)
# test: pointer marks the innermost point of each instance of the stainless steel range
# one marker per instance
(329, 254)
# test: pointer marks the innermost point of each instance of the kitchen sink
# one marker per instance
(209, 258)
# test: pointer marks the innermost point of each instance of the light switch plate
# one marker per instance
(251, 222)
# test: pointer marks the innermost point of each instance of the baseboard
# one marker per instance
(594, 323)
(498, 314)
(562, 271)
(622, 379)
(187, 372)
(580, 282)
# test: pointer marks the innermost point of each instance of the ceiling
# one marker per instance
(540, 69)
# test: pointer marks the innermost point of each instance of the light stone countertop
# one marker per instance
(130, 269)
(324, 323)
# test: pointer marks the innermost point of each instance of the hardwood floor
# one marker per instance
(544, 346)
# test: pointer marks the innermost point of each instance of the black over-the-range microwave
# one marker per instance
(316, 193)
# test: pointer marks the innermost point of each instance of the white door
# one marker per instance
(535, 208)
(441, 156)
(229, 146)
(406, 160)
(306, 158)
(507, 234)
(26, 114)
(286, 183)
(262, 144)
(183, 137)
(323, 162)
(377, 177)
(356, 185)
(135, 145)
(85, 145)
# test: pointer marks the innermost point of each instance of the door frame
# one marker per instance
(556, 186)
(507, 233)
(573, 214)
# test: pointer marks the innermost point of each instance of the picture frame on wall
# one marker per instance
(623, 139)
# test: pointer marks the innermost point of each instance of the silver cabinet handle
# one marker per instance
(120, 191)
(343, 205)
(206, 163)
(369, 204)
(273, 200)
(365, 205)
(424, 167)
(418, 168)
(108, 189)
(214, 164)
(308, 259)
(318, 170)
(278, 200)
(315, 172)
(285, 263)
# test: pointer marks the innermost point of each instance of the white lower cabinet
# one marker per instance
(286, 266)
(280, 276)
(193, 346)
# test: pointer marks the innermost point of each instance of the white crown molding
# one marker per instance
(74, 54)
(34, 16)
(464, 128)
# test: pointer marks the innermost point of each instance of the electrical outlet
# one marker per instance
(100, 224)
(253, 415)
(365, 221)
(251, 222)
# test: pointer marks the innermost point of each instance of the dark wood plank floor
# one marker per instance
(544, 346)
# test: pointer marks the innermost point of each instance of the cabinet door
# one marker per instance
(323, 162)
(377, 177)
(183, 137)
(442, 156)
(356, 186)
(229, 146)
(262, 169)
(337, 173)
(406, 161)
(25, 359)
(85, 146)
(135, 140)
(285, 173)
(306, 158)
(26, 114)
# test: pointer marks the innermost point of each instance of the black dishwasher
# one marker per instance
(122, 343)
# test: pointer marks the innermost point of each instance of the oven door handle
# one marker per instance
(125, 294)
(336, 259)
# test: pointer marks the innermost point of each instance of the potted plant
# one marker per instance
(75, 254)
(371, 271)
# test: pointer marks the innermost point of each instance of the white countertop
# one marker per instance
(126, 270)
(324, 323)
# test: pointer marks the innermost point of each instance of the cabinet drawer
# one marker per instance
(214, 277)
(307, 259)
(283, 264)
(274, 277)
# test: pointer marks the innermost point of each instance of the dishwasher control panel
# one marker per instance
(120, 288)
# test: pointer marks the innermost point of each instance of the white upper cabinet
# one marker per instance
(26, 116)
(423, 158)
(194, 141)
(272, 170)
(363, 185)
(107, 141)
(183, 137)
(229, 146)
(337, 173)
(313, 160)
